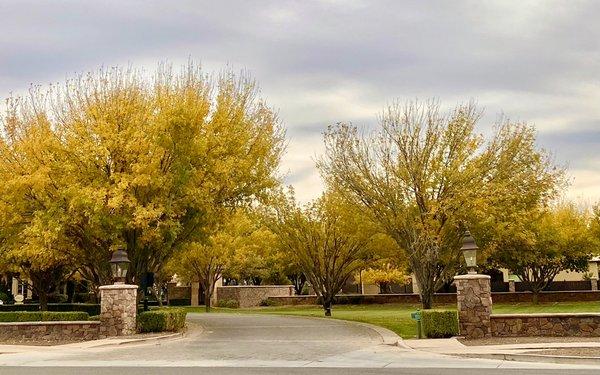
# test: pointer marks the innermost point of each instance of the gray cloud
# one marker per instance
(320, 62)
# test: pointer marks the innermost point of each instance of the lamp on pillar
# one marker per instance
(469, 249)
(119, 263)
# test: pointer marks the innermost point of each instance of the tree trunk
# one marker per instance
(327, 306)
(535, 297)
(298, 280)
(426, 300)
(43, 295)
(207, 296)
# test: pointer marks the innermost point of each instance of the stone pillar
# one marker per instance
(118, 310)
(195, 288)
(511, 286)
(594, 282)
(474, 298)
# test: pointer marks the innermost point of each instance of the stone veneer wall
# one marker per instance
(50, 331)
(118, 310)
(577, 324)
(441, 298)
(252, 295)
(474, 303)
(175, 292)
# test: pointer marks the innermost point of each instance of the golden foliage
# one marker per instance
(116, 158)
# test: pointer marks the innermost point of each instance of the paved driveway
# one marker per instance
(237, 344)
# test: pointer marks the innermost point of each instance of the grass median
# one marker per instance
(396, 317)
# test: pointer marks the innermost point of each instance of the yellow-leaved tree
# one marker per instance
(205, 261)
(383, 275)
(545, 242)
(425, 176)
(127, 159)
(329, 240)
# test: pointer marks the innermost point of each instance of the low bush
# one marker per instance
(84, 298)
(228, 303)
(161, 320)
(42, 316)
(90, 308)
(4, 297)
(95, 317)
(439, 323)
(58, 298)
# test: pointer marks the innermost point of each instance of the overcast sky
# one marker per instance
(321, 62)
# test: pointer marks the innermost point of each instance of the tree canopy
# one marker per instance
(425, 176)
(328, 239)
(544, 243)
(118, 158)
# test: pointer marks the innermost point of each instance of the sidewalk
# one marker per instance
(524, 352)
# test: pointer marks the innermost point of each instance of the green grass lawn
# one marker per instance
(396, 317)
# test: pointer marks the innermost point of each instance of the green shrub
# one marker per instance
(83, 298)
(58, 298)
(161, 320)
(42, 316)
(95, 317)
(90, 308)
(228, 303)
(439, 323)
(4, 297)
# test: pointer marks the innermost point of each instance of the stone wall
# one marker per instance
(175, 292)
(474, 303)
(366, 299)
(440, 298)
(50, 331)
(514, 325)
(252, 295)
(118, 310)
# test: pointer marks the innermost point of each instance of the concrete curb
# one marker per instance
(102, 343)
(117, 342)
(387, 336)
(540, 358)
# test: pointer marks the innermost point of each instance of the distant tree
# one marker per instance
(424, 176)
(544, 243)
(384, 275)
(206, 261)
(293, 271)
(256, 263)
(327, 241)
(595, 227)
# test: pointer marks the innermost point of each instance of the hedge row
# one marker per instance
(90, 308)
(439, 323)
(160, 320)
(42, 316)
(228, 303)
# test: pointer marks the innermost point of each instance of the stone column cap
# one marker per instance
(118, 286)
(472, 276)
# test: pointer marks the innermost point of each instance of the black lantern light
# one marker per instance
(119, 263)
(469, 249)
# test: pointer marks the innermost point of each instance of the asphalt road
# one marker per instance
(263, 344)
